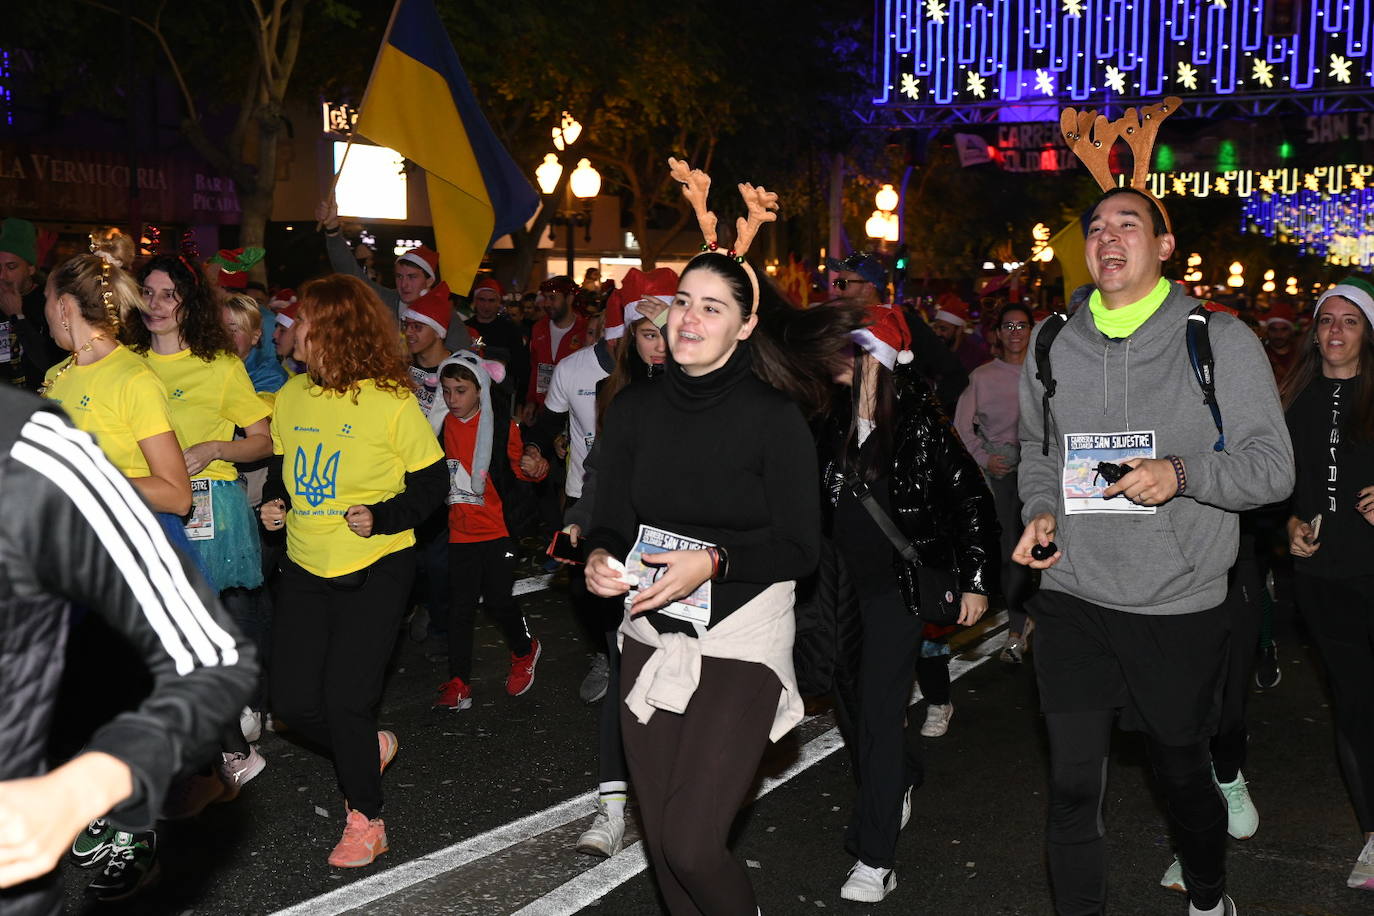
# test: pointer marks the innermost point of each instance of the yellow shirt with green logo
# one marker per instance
(119, 401)
(207, 400)
(337, 454)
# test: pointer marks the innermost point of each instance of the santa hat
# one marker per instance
(887, 337)
(490, 283)
(950, 308)
(1358, 290)
(234, 264)
(622, 308)
(282, 299)
(1280, 312)
(433, 309)
(287, 316)
(485, 371)
(425, 258)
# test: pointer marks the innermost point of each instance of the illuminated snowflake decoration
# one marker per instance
(977, 85)
(911, 86)
(1340, 68)
(1266, 184)
(1263, 73)
(1357, 181)
(1044, 82)
(1222, 186)
(1116, 80)
(935, 9)
(1219, 4)
(1180, 186)
(1309, 182)
(1187, 75)
(1073, 8)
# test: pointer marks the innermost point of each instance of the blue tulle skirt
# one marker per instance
(233, 556)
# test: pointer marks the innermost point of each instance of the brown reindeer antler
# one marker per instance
(1141, 134)
(761, 204)
(695, 186)
(1091, 136)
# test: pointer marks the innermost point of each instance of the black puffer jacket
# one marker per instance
(938, 496)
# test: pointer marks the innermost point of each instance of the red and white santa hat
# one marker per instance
(952, 309)
(282, 299)
(287, 316)
(488, 282)
(425, 258)
(433, 309)
(886, 338)
(1281, 312)
(622, 308)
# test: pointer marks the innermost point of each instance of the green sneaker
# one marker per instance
(1242, 820)
(93, 844)
(132, 866)
(1173, 878)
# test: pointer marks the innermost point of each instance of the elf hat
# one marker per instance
(1355, 288)
(490, 283)
(887, 337)
(234, 264)
(425, 258)
(287, 316)
(1280, 312)
(950, 308)
(18, 237)
(282, 299)
(433, 309)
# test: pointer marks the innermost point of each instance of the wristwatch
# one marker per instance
(723, 567)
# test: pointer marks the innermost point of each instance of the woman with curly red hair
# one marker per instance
(359, 468)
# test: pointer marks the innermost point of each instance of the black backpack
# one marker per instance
(1199, 357)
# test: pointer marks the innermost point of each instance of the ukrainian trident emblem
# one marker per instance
(312, 482)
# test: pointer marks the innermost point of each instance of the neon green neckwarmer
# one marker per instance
(1122, 322)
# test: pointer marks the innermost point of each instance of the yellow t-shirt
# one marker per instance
(119, 401)
(338, 454)
(207, 400)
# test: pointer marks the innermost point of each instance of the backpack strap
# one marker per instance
(1045, 373)
(1204, 366)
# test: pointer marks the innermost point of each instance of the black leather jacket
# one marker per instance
(937, 493)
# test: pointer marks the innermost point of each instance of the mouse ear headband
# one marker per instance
(761, 207)
(1091, 137)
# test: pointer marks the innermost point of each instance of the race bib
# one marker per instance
(1084, 483)
(543, 376)
(460, 485)
(200, 525)
(9, 343)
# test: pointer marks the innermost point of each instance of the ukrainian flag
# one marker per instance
(419, 103)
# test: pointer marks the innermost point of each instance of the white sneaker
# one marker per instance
(250, 723)
(867, 884)
(906, 808)
(1362, 875)
(605, 837)
(937, 720)
(1173, 878)
(1242, 819)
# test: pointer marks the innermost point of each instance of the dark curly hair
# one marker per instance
(198, 312)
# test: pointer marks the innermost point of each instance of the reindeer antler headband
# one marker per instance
(1091, 137)
(760, 203)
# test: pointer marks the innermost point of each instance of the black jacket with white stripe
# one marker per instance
(73, 530)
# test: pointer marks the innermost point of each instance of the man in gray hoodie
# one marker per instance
(1130, 618)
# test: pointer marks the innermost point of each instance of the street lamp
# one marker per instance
(548, 173)
(886, 199)
(1237, 275)
(583, 184)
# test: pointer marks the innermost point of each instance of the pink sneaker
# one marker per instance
(521, 677)
(388, 746)
(235, 770)
(363, 841)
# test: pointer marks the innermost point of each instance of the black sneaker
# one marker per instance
(1267, 672)
(132, 866)
(93, 844)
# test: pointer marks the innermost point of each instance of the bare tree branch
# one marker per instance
(156, 31)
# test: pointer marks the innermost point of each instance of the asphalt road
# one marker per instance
(483, 807)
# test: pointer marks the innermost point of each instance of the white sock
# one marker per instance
(1217, 910)
(612, 796)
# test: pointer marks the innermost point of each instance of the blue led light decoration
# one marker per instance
(1337, 227)
(932, 53)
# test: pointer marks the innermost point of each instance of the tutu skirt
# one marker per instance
(233, 555)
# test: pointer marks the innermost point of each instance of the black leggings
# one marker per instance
(611, 753)
(483, 569)
(1079, 744)
(1340, 617)
(691, 773)
(330, 648)
(1245, 613)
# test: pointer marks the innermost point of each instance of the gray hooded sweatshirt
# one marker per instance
(1176, 560)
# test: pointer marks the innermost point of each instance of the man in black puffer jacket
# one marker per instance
(74, 530)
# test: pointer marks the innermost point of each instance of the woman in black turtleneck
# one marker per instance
(714, 453)
(1329, 403)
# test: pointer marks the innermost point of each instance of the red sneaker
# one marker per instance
(363, 841)
(387, 745)
(454, 694)
(521, 677)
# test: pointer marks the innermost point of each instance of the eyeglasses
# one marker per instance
(1014, 325)
(842, 283)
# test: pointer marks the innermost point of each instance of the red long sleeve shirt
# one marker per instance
(469, 523)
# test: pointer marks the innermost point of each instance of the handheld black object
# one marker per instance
(563, 548)
(1111, 472)
(1039, 552)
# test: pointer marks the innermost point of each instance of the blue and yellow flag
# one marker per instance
(419, 103)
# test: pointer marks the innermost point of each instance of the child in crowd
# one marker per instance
(474, 431)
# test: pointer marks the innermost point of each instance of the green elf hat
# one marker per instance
(18, 237)
(234, 265)
(1355, 288)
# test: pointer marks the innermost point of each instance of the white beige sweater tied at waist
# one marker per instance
(760, 631)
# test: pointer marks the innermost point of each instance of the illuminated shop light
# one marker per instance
(373, 182)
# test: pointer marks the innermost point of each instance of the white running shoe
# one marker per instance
(605, 837)
(250, 723)
(937, 720)
(1173, 878)
(1362, 875)
(1242, 819)
(867, 884)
